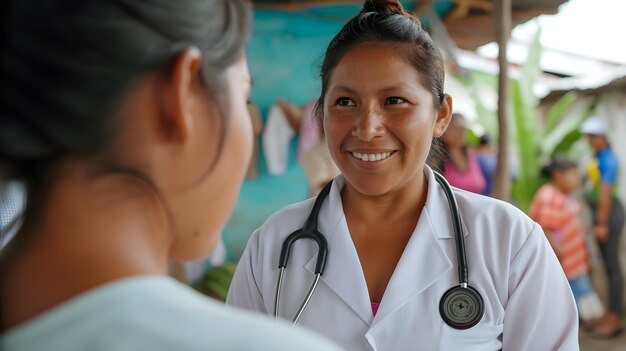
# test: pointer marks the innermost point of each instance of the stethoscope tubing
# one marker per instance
(456, 223)
(308, 231)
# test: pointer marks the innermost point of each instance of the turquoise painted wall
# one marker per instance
(284, 55)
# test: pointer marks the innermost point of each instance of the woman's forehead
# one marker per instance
(384, 63)
(373, 52)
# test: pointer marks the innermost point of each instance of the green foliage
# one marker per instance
(535, 142)
(531, 141)
(526, 144)
(477, 84)
(557, 111)
(216, 281)
(472, 138)
(560, 138)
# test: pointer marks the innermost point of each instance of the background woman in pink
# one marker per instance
(460, 166)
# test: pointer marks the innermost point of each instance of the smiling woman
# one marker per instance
(392, 255)
(384, 112)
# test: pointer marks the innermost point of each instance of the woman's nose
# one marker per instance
(369, 125)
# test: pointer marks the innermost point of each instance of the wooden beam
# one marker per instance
(484, 5)
(422, 6)
(296, 6)
(502, 183)
(463, 8)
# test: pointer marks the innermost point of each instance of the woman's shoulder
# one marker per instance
(155, 313)
(473, 202)
(208, 323)
(499, 226)
(261, 333)
(494, 218)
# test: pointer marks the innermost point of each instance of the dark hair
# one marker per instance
(555, 164)
(67, 63)
(388, 21)
(484, 139)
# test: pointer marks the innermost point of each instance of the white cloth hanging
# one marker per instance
(276, 137)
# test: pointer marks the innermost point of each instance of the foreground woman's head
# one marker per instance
(151, 93)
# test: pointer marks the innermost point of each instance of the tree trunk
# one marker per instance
(502, 182)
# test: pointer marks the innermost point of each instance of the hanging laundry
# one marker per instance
(276, 137)
(310, 131)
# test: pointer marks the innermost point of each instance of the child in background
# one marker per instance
(556, 210)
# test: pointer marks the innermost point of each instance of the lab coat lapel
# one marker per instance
(422, 263)
(343, 273)
(424, 260)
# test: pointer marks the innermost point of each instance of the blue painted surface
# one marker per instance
(284, 55)
(260, 198)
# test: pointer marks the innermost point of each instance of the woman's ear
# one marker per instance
(178, 97)
(444, 115)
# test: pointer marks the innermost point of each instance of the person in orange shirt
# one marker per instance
(556, 210)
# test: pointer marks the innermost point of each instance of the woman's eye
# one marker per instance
(343, 101)
(394, 100)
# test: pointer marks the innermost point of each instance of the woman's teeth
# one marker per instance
(371, 157)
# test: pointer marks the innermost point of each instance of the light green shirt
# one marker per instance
(154, 313)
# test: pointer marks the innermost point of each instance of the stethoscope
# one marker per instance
(461, 307)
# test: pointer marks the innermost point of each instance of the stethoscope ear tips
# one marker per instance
(461, 307)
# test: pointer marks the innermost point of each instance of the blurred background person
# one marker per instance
(460, 165)
(487, 157)
(557, 211)
(608, 218)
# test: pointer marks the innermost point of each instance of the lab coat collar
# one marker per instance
(422, 263)
(343, 273)
(437, 208)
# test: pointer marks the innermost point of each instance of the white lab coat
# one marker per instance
(528, 302)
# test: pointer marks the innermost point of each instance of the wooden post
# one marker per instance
(502, 182)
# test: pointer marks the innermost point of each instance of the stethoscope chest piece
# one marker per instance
(461, 307)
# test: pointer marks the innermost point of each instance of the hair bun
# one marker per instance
(383, 6)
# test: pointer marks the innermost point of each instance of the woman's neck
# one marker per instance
(380, 228)
(404, 202)
(89, 231)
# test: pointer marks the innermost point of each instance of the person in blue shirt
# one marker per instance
(127, 122)
(608, 219)
(487, 157)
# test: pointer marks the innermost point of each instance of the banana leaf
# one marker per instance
(558, 110)
(564, 132)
